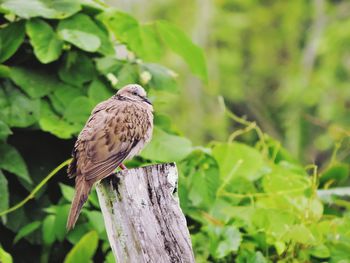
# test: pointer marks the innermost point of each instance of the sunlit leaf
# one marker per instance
(96, 221)
(141, 39)
(166, 147)
(83, 23)
(183, 46)
(110, 258)
(47, 46)
(61, 221)
(84, 250)
(320, 251)
(300, 234)
(58, 9)
(4, 256)
(85, 41)
(67, 192)
(238, 160)
(48, 229)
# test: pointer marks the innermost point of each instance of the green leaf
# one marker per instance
(281, 179)
(85, 41)
(4, 71)
(338, 172)
(300, 234)
(239, 159)
(63, 96)
(26, 230)
(47, 46)
(275, 222)
(109, 258)
(84, 250)
(201, 180)
(48, 229)
(141, 39)
(79, 110)
(75, 235)
(77, 69)
(61, 221)
(11, 37)
(56, 9)
(183, 46)
(54, 124)
(12, 162)
(35, 83)
(96, 221)
(246, 256)
(126, 75)
(4, 256)
(320, 251)
(83, 23)
(98, 91)
(67, 192)
(17, 110)
(165, 147)
(231, 241)
(4, 131)
(160, 77)
(4, 193)
(107, 65)
(223, 240)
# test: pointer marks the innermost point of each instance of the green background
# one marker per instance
(251, 100)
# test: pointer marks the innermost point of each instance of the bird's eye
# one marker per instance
(134, 93)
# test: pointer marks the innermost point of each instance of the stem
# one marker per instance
(36, 189)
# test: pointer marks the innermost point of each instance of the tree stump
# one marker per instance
(143, 219)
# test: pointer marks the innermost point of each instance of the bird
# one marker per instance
(117, 130)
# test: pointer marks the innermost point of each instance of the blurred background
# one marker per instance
(283, 64)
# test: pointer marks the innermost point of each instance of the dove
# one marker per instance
(117, 130)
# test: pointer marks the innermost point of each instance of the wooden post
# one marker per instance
(143, 219)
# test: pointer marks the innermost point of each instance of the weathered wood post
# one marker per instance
(143, 219)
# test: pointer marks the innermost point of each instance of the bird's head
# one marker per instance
(134, 92)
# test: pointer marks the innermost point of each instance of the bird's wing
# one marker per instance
(107, 139)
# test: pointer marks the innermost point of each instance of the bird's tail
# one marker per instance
(82, 190)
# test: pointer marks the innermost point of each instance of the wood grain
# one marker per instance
(142, 215)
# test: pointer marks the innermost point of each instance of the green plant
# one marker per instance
(58, 60)
(244, 202)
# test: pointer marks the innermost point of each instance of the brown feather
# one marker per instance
(82, 190)
(117, 129)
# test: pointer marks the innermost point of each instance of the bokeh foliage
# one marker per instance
(244, 202)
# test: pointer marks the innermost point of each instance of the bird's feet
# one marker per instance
(122, 166)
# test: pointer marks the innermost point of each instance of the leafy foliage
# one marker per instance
(244, 202)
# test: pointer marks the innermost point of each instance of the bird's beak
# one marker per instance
(147, 101)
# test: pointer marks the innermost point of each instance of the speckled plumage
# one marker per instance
(117, 130)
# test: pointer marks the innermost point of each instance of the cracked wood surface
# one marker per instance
(143, 219)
